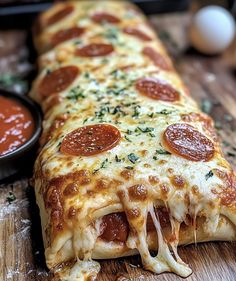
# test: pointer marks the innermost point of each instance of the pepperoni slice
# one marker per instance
(94, 50)
(58, 80)
(157, 58)
(90, 140)
(104, 17)
(59, 15)
(114, 227)
(186, 141)
(137, 33)
(156, 90)
(66, 34)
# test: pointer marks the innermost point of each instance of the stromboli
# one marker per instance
(127, 159)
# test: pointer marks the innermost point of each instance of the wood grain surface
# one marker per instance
(211, 81)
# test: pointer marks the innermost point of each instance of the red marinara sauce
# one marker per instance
(16, 125)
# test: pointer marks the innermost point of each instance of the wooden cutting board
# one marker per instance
(211, 81)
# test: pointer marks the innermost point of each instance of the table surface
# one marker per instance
(211, 81)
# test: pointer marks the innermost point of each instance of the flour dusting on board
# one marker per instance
(22, 258)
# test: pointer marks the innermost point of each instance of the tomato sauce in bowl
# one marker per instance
(16, 124)
(20, 129)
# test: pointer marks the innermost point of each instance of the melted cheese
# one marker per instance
(104, 92)
(79, 271)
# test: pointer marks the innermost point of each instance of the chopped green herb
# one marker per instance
(85, 120)
(145, 130)
(133, 158)
(100, 98)
(129, 132)
(111, 34)
(136, 111)
(154, 158)
(151, 115)
(86, 75)
(162, 151)
(129, 104)
(76, 93)
(117, 159)
(129, 168)
(118, 109)
(209, 175)
(164, 112)
(94, 91)
(103, 166)
(114, 72)
(116, 91)
(104, 61)
(76, 96)
(10, 197)
(78, 42)
(152, 135)
(129, 140)
(117, 73)
(102, 112)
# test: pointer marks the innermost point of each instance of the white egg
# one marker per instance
(212, 30)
